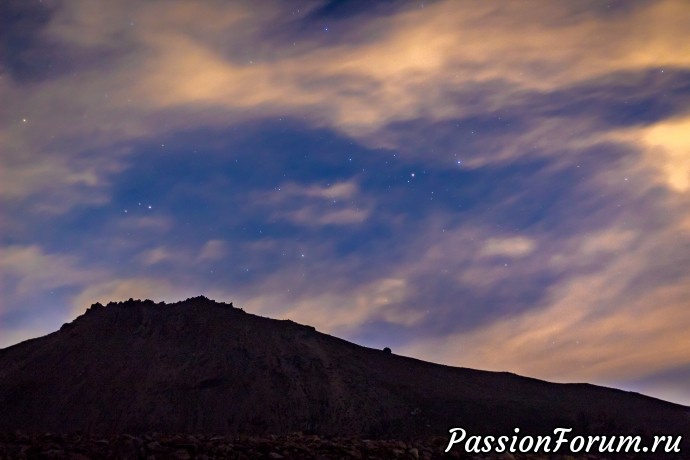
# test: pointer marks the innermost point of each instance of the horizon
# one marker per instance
(496, 186)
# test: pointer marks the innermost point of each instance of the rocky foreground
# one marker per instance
(186, 447)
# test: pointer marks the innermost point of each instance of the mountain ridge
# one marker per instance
(208, 367)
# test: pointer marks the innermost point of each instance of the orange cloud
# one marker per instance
(180, 61)
(212, 250)
(668, 146)
(517, 246)
(37, 270)
(341, 311)
(590, 327)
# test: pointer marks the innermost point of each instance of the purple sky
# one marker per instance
(502, 186)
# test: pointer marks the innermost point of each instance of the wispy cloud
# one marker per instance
(169, 73)
(590, 325)
(33, 269)
(509, 247)
(315, 205)
(212, 250)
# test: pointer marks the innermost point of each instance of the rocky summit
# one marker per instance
(210, 369)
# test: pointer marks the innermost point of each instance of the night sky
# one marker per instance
(503, 186)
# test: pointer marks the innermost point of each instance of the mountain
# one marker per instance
(199, 366)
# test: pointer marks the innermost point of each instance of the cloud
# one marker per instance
(337, 191)
(591, 249)
(591, 324)
(212, 250)
(36, 270)
(312, 215)
(340, 190)
(341, 310)
(517, 246)
(606, 241)
(157, 224)
(340, 203)
(156, 255)
(166, 73)
(403, 74)
(667, 147)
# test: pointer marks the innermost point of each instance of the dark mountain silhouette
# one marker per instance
(199, 366)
